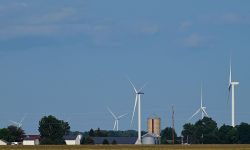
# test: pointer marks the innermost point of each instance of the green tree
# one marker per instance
(91, 133)
(228, 134)
(188, 132)
(52, 130)
(203, 131)
(4, 134)
(12, 134)
(243, 133)
(15, 134)
(167, 133)
(206, 131)
(101, 133)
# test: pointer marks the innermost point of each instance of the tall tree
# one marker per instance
(12, 134)
(206, 131)
(166, 136)
(203, 131)
(188, 132)
(228, 134)
(16, 134)
(52, 130)
(243, 133)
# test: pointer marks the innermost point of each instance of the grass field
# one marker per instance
(130, 147)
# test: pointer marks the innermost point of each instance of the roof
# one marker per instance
(150, 135)
(119, 140)
(70, 137)
(32, 137)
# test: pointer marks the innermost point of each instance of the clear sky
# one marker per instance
(71, 59)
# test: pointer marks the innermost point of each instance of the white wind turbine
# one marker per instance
(231, 88)
(202, 109)
(138, 94)
(117, 118)
(18, 124)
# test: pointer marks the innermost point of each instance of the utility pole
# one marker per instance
(173, 124)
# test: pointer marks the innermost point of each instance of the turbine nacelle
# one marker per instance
(140, 93)
(235, 83)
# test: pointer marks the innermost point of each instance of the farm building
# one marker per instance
(31, 140)
(151, 138)
(73, 139)
(115, 140)
(3, 142)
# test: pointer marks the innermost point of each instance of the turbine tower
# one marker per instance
(231, 89)
(202, 109)
(138, 94)
(117, 118)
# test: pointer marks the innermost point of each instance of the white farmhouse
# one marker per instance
(3, 142)
(31, 140)
(73, 139)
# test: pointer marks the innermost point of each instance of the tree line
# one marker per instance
(204, 131)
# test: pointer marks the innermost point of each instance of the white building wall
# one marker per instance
(2, 143)
(31, 142)
(148, 140)
(70, 142)
(77, 141)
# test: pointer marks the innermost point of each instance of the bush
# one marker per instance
(105, 141)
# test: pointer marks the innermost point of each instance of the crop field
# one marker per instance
(130, 147)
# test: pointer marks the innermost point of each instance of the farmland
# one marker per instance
(129, 147)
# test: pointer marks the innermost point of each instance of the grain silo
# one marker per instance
(154, 125)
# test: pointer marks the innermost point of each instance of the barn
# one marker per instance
(73, 139)
(31, 140)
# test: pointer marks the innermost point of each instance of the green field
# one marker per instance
(130, 147)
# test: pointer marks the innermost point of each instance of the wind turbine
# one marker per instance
(18, 124)
(231, 88)
(202, 109)
(138, 94)
(117, 118)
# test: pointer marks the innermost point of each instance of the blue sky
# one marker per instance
(71, 59)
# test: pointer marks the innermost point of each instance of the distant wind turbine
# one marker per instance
(117, 118)
(231, 89)
(202, 109)
(18, 124)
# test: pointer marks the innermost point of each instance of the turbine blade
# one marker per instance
(195, 114)
(204, 111)
(143, 87)
(201, 96)
(133, 86)
(229, 91)
(23, 119)
(111, 113)
(133, 110)
(121, 116)
(230, 72)
(14, 122)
